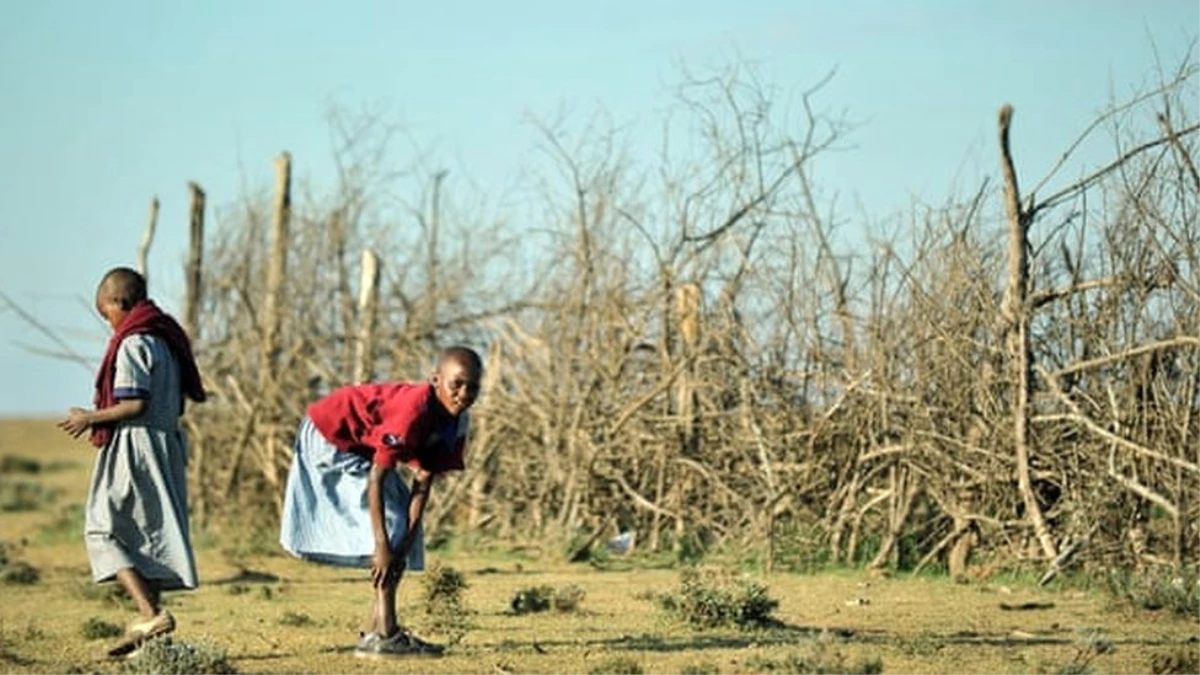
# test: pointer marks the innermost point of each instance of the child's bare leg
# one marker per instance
(384, 608)
(144, 595)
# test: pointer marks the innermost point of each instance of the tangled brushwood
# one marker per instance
(684, 345)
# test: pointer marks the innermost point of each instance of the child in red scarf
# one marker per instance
(136, 527)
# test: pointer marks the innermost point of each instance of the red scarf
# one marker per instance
(144, 319)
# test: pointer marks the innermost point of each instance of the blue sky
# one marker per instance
(107, 104)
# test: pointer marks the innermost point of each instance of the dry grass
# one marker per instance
(913, 625)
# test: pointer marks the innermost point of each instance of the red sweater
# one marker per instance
(390, 422)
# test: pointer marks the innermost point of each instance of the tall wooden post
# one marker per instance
(1016, 315)
(195, 262)
(147, 239)
(368, 301)
(277, 266)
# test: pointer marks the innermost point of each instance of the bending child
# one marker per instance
(345, 503)
(136, 519)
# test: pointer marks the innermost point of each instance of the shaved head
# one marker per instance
(464, 356)
(123, 286)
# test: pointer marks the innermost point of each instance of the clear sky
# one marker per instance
(103, 105)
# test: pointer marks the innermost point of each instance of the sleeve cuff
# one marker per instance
(125, 393)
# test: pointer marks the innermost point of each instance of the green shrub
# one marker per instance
(14, 464)
(1158, 589)
(702, 668)
(567, 598)
(164, 656)
(443, 598)
(714, 598)
(24, 496)
(617, 665)
(295, 619)
(818, 661)
(19, 573)
(97, 629)
(532, 599)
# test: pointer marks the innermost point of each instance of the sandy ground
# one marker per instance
(274, 614)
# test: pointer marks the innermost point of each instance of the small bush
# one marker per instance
(567, 598)
(24, 496)
(295, 619)
(265, 593)
(238, 589)
(1178, 661)
(443, 598)
(714, 598)
(532, 599)
(818, 661)
(66, 526)
(1154, 590)
(617, 665)
(702, 668)
(98, 629)
(19, 573)
(164, 656)
(14, 464)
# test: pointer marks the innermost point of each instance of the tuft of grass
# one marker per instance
(532, 599)
(1177, 661)
(617, 665)
(97, 629)
(443, 588)
(715, 598)
(1155, 590)
(295, 619)
(164, 656)
(238, 589)
(15, 464)
(23, 495)
(19, 573)
(818, 660)
(567, 598)
(701, 668)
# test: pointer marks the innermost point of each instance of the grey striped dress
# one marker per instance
(137, 514)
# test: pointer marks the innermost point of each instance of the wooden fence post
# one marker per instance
(276, 266)
(1016, 315)
(368, 301)
(147, 239)
(195, 261)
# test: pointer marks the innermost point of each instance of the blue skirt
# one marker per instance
(325, 515)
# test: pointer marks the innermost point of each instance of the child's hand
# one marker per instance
(381, 565)
(76, 422)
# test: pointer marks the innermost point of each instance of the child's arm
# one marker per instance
(421, 487)
(79, 420)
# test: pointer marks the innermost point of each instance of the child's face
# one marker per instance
(456, 386)
(110, 307)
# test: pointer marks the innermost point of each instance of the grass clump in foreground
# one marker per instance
(617, 665)
(818, 661)
(443, 588)
(164, 656)
(541, 598)
(1155, 590)
(96, 629)
(1180, 660)
(715, 598)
